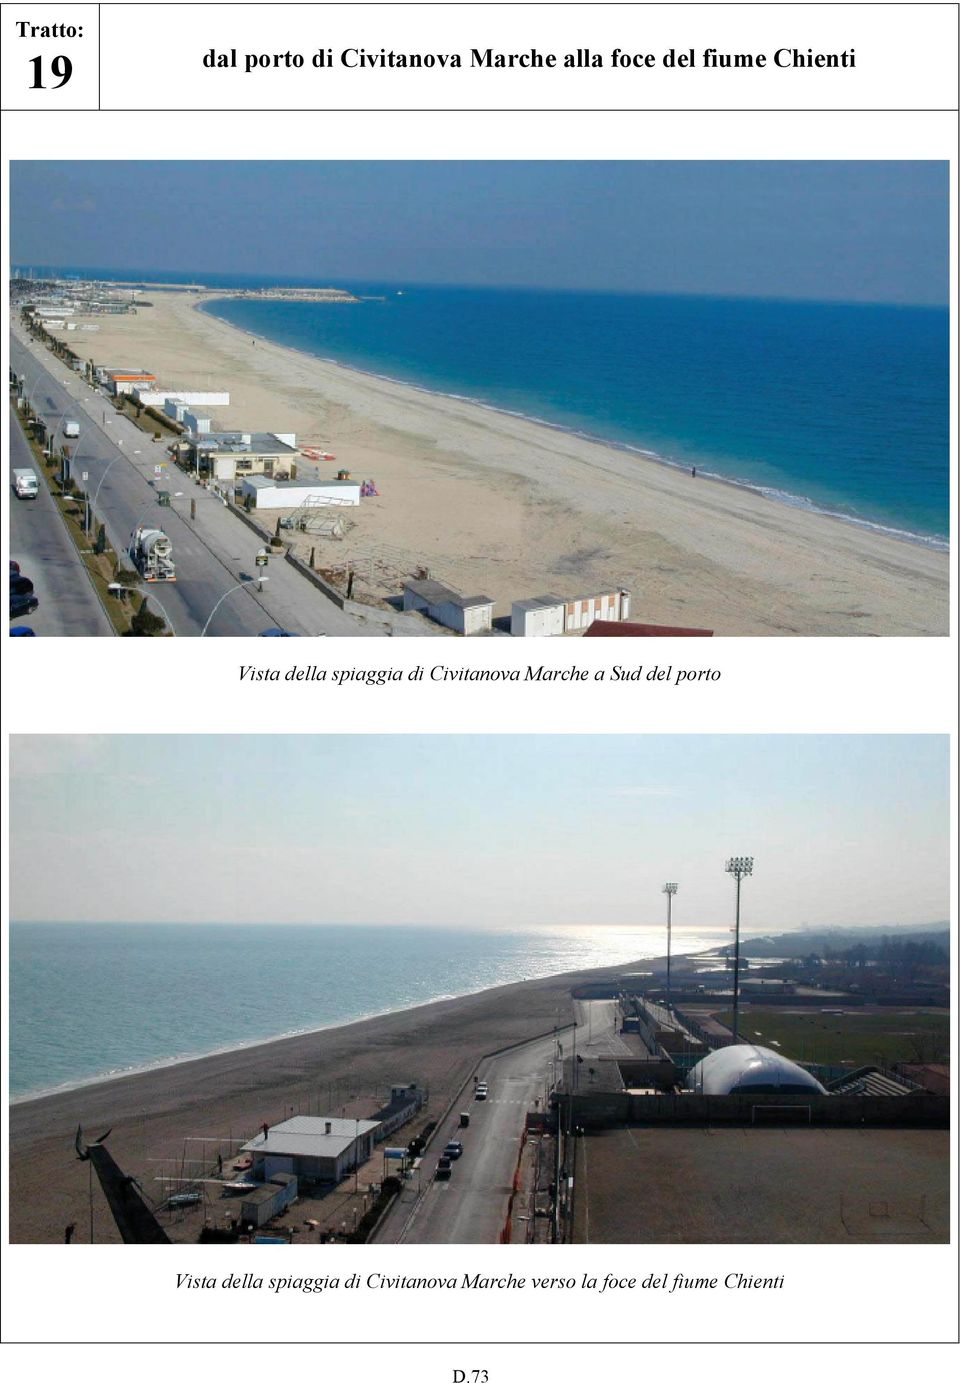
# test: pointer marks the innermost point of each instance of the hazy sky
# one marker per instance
(865, 231)
(479, 830)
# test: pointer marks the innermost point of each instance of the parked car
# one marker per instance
(453, 1150)
(21, 585)
(480, 1091)
(21, 605)
(22, 630)
(444, 1169)
(184, 1198)
(278, 634)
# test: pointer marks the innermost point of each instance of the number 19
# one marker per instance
(59, 67)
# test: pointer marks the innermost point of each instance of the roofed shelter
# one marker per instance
(312, 1149)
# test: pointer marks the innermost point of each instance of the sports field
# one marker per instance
(869, 1036)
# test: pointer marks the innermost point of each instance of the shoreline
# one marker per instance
(490, 501)
(170, 1063)
(788, 498)
(150, 1114)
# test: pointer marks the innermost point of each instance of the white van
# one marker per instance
(25, 483)
(71, 428)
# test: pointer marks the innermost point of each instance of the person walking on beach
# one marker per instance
(693, 472)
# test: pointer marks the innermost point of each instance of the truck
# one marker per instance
(71, 428)
(151, 552)
(25, 483)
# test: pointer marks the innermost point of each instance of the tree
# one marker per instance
(100, 546)
(145, 623)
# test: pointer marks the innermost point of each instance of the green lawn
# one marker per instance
(876, 1038)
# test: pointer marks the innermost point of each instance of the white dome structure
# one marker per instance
(742, 1068)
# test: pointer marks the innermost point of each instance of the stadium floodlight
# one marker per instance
(741, 867)
(669, 890)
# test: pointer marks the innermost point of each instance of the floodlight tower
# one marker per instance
(741, 867)
(669, 890)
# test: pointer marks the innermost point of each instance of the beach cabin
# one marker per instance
(544, 615)
(540, 616)
(465, 614)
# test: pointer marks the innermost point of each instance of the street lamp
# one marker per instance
(741, 867)
(93, 507)
(669, 890)
(244, 581)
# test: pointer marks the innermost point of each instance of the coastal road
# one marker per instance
(213, 549)
(471, 1207)
(598, 1029)
(41, 544)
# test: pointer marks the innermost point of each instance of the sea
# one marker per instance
(836, 407)
(90, 1001)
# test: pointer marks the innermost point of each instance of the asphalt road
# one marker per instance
(213, 549)
(41, 544)
(471, 1207)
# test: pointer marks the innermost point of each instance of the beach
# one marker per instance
(230, 1094)
(500, 505)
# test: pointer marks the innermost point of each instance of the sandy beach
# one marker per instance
(231, 1093)
(496, 504)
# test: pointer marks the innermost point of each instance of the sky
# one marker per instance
(839, 231)
(479, 831)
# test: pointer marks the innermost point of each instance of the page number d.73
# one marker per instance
(60, 68)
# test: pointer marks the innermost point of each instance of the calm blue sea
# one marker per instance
(838, 407)
(92, 1000)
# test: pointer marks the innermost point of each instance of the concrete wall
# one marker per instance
(852, 1111)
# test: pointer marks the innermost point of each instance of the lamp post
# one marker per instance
(246, 581)
(669, 890)
(113, 462)
(741, 867)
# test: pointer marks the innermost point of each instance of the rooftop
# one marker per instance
(306, 1136)
(539, 602)
(436, 593)
(241, 443)
(627, 629)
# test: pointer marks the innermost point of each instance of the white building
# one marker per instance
(555, 614)
(539, 616)
(466, 614)
(125, 380)
(291, 494)
(313, 1149)
(233, 455)
(174, 403)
